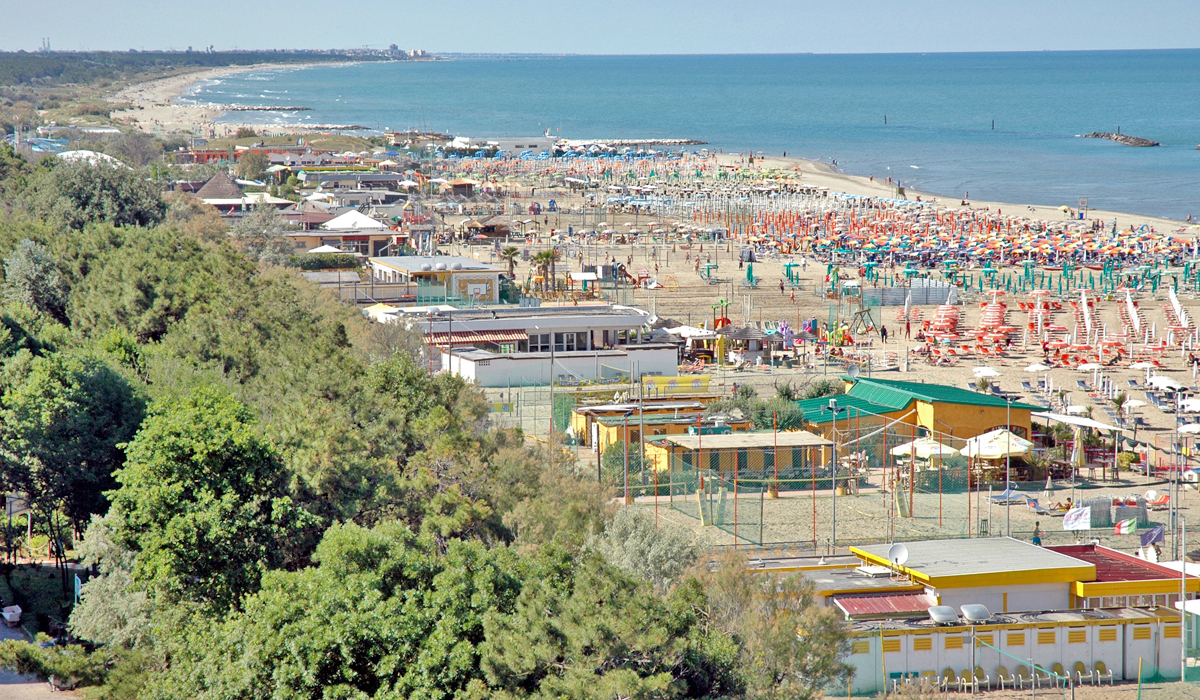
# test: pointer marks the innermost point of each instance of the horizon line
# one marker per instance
(528, 54)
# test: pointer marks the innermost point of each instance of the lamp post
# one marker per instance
(833, 408)
(1008, 466)
(551, 437)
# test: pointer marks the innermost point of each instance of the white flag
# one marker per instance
(1078, 519)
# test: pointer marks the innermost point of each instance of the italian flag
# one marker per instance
(1127, 526)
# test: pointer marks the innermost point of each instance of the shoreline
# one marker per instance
(155, 111)
(154, 107)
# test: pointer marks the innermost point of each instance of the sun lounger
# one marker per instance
(1009, 496)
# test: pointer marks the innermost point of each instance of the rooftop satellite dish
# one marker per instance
(853, 371)
(976, 613)
(898, 554)
(943, 615)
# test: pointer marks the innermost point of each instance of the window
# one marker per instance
(1108, 633)
(355, 246)
(954, 642)
(1077, 635)
(1016, 639)
(539, 343)
(923, 643)
(1046, 637)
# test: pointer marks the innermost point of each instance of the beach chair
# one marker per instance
(1040, 676)
(1027, 387)
(1003, 676)
(1037, 508)
(949, 678)
(1059, 672)
(965, 680)
(1133, 384)
(1023, 677)
(1161, 503)
(982, 678)
(1082, 385)
(1100, 671)
(1081, 672)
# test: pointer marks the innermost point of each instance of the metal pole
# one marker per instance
(1183, 598)
(626, 443)
(1008, 468)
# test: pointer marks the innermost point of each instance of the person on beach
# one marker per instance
(883, 333)
(1037, 533)
(780, 287)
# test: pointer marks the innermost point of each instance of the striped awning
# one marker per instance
(474, 337)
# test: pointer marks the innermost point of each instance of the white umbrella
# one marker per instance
(1076, 409)
(1089, 367)
(996, 444)
(1142, 365)
(986, 372)
(1190, 405)
(1190, 428)
(1134, 403)
(1165, 383)
(1037, 367)
(924, 448)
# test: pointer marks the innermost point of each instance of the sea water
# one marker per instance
(1001, 126)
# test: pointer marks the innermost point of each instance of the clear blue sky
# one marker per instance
(609, 26)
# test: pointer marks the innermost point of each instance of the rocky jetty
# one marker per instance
(1122, 139)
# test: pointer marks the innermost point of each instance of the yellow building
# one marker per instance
(584, 418)
(937, 408)
(748, 452)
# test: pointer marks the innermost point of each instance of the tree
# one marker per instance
(383, 614)
(194, 218)
(203, 502)
(253, 165)
(74, 194)
(261, 235)
(509, 255)
(245, 132)
(62, 427)
(135, 148)
(790, 646)
(659, 555)
(110, 610)
(31, 278)
(1119, 402)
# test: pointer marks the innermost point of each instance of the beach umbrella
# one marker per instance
(924, 448)
(986, 372)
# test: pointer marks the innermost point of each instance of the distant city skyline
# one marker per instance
(617, 27)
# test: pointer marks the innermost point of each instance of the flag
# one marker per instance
(1149, 537)
(1078, 518)
(1126, 526)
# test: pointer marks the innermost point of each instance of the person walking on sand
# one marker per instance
(780, 287)
(907, 329)
(1037, 533)
(883, 333)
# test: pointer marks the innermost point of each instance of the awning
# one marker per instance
(584, 276)
(473, 337)
(1080, 421)
(884, 605)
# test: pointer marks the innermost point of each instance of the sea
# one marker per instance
(991, 126)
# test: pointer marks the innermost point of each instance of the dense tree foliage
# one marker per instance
(281, 501)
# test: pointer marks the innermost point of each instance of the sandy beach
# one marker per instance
(153, 106)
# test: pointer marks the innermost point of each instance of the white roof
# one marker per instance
(91, 157)
(352, 220)
(584, 276)
(691, 332)
(325, 249)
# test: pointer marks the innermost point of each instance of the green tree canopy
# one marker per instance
(202, 500)
(75, 194)
(31, 278)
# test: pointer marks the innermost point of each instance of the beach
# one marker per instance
(154, 107)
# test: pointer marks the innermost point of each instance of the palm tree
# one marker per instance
(542, 262)
(1119, 402)
(509, 255)
(982, 384)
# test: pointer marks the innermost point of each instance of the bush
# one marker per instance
(245, 132)
(325, 261)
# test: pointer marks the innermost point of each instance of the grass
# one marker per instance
(37, 588)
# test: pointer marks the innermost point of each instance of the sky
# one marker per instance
(609, 26)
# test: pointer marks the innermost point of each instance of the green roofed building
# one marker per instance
(959, 412)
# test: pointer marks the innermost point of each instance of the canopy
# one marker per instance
(1080, 421)
(996, 444)
(352, 219)
(326, 249)
(924, 448)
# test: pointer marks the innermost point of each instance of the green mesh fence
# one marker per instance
(879, 493)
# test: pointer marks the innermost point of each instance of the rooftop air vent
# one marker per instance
(456, 266)
(943, 615)
(874, 571)
(976, 613)
(425, 267)
(439, 266)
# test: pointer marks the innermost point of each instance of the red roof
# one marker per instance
(472, 337)
(884, 604)
(1112, 565)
